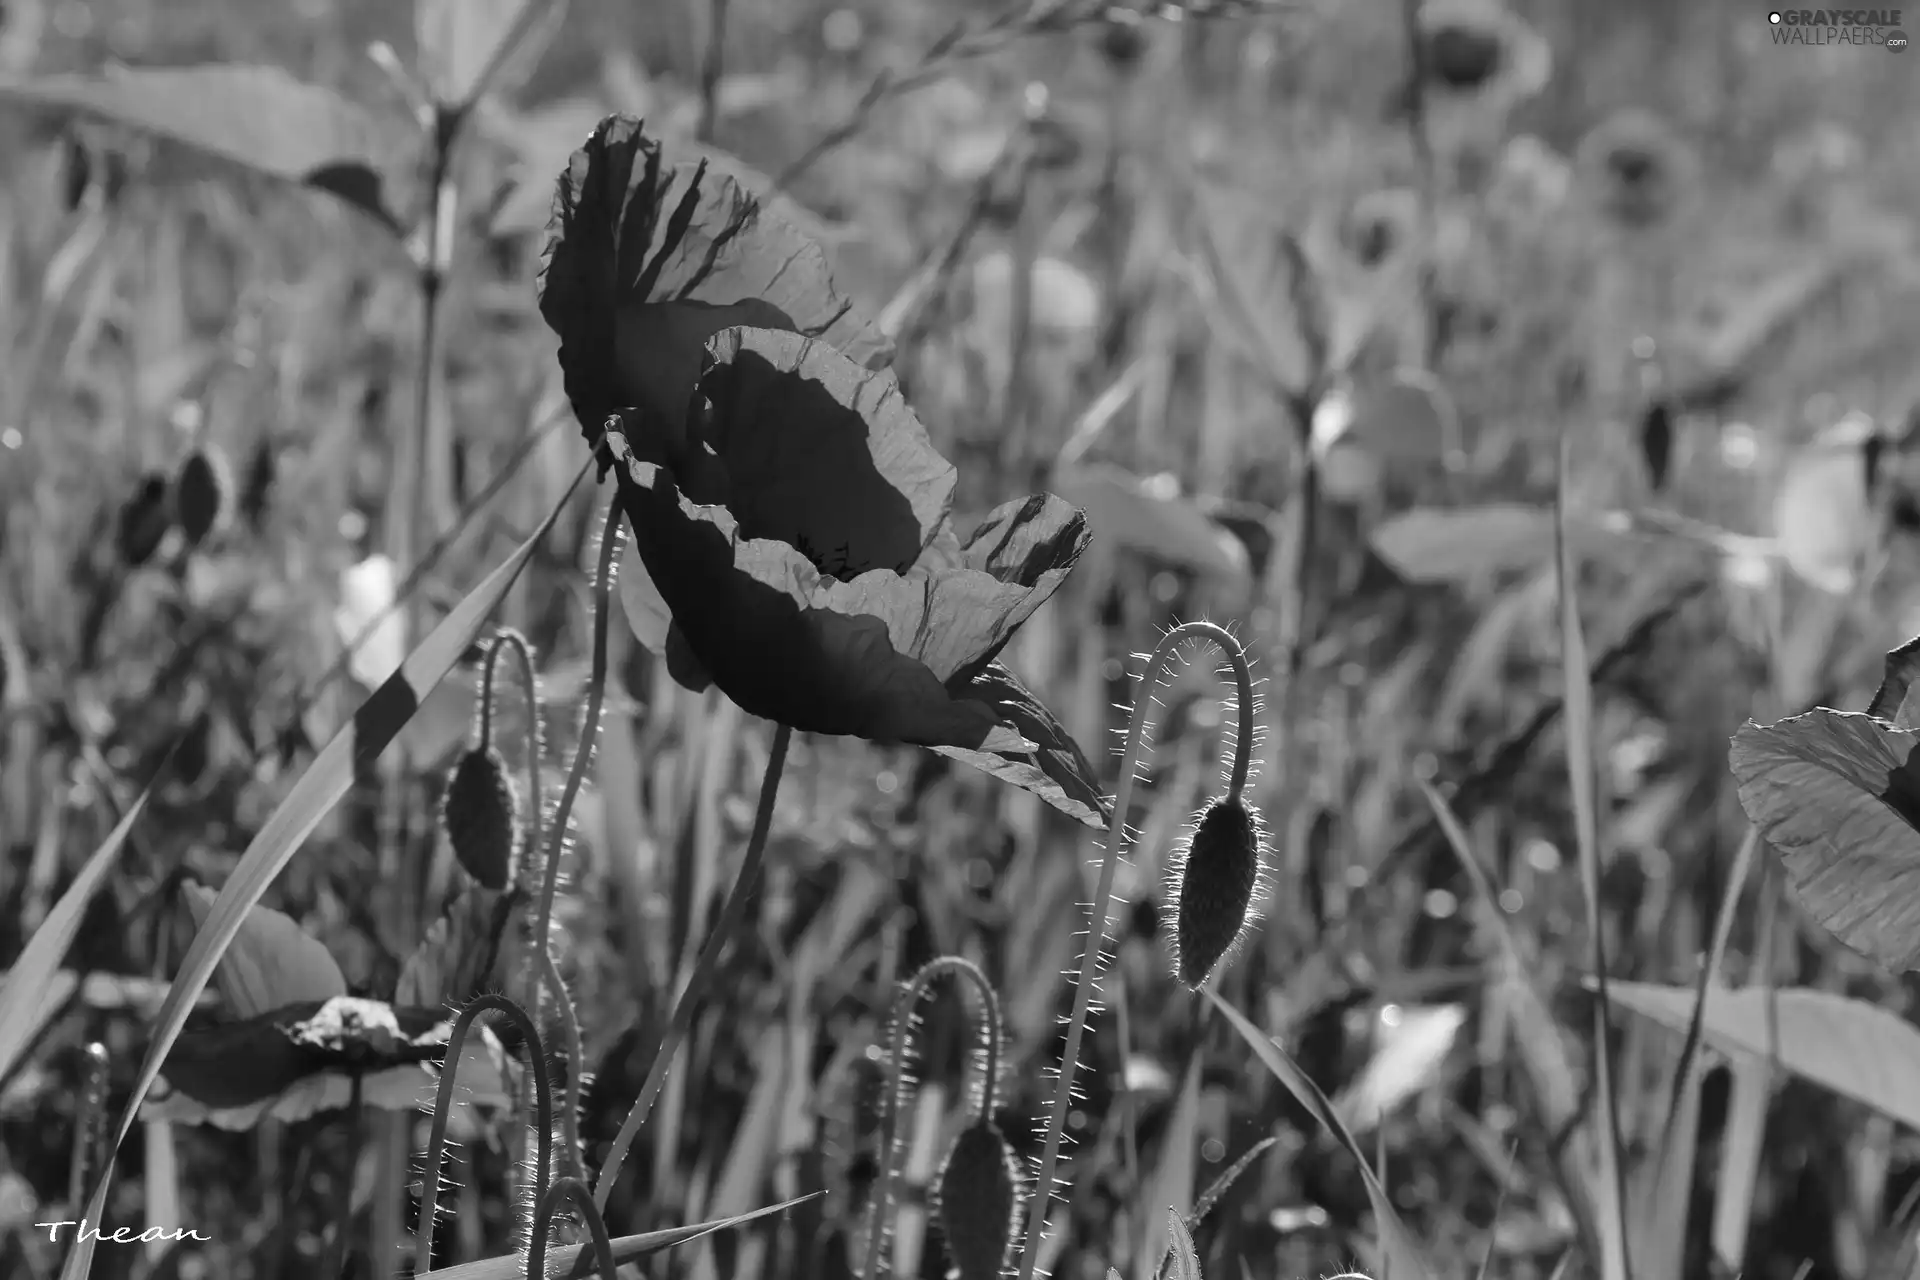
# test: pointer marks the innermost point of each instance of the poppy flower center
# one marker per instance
(1462, 58)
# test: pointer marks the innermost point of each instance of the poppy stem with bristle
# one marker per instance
(443, 1108)
(610, 541)
(684, 1008)
(570, 1188)
(508, 638)
(1163, 655)
(986, 1042)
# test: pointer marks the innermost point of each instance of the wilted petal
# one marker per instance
(646, 258)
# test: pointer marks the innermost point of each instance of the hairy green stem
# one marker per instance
(1163, 654)
(987, 1041)
(703, 969)
(570, 1188)
(443, 1108)
(610, 541)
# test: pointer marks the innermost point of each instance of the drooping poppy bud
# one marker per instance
(481, 814)
(977, 1198)
(1218, 872)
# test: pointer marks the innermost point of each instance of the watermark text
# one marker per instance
(120, 1235)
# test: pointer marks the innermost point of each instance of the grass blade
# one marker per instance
(1581, 779)
(1401, 1256)
(30, 993)
(625, 1248)
(325, 782)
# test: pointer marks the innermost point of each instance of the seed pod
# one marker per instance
(202, 493)
(1218, 873)
(481, 814)
(977, 1202)
(144, 520)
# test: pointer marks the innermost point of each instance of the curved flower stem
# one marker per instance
(703, 969)
(570, 1188)
(611, 538)
(987, 1040)
(1163, 654)
(443, 1107)
(508, 638)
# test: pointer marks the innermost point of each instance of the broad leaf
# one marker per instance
(1837, 795)
(257, 116)
(271, 963)
(1149, 517)
(1056, 770)
(1857, 1050)
(625, 1249)
(30, 993)
(374, 726)
(1401, 1257)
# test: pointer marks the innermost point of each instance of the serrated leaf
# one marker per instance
(1401, 1256)
(1183, 1262)
(374, 726)
(1055, 769)
(271, 963)
(1837, 796)
(1852, 1048)
(1150, 518)
(625, 1249)
(257, 116)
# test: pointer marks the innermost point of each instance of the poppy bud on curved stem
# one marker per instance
(1161, 658)
(978, 1205)
(443, 1107)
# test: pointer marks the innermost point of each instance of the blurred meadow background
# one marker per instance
(1300, 302)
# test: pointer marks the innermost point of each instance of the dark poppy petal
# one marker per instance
(652, 623)
(1056, 770)
(1032, 542)
(237, 1064)
(822, 454)
(791, 645)
(647, 256)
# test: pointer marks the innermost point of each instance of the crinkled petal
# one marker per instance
(647, 256)
(864, 659)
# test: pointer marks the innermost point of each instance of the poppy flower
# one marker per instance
(792, 533)
(1478, 49)
(1636, 169)
(298, 1043)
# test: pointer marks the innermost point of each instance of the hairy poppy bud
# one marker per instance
(1218, 873)
(481, 814)
(144, 521)
(977, 1200)
(202, 493)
